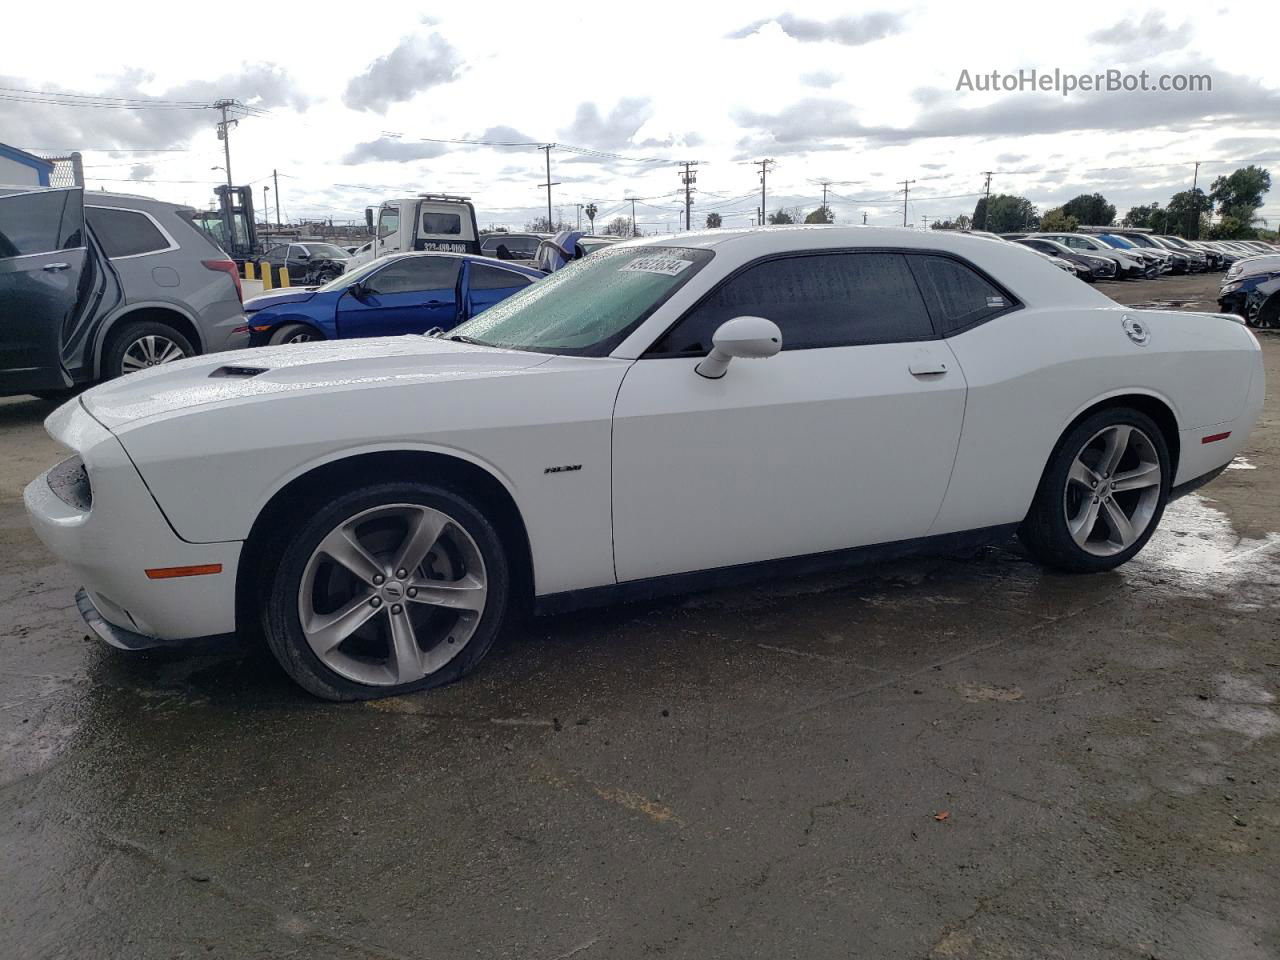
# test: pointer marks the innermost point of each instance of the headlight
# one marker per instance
(1231, 287)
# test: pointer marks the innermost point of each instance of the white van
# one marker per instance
(425, 222)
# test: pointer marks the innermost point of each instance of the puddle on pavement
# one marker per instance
(1241, 463)
(1197, 547)
(1176, 303)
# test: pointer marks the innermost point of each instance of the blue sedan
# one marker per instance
(405, 293)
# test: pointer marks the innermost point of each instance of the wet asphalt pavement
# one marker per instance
(961, 757)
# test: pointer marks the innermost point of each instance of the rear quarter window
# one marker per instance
(958, 296)
(125, 233)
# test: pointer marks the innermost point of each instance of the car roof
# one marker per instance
(101, 198)
(1008, 263)
(488, 261)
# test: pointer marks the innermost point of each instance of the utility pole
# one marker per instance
(633, 214)
(764, 174)
(224, 131)
(986, 207)
(579, 206)
(1194, 231)
(275, 179)
(924, 222)
(265, 191)
(546, 148)
(906, 192)
(688, 178)
(824, 183)
(864, 218)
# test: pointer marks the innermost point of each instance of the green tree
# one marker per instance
(1091, 209)
(543, 225)
(1058, 220)
(713, 221)
(621, 227)
(781, 215)
(822, 215)
(1232, 228)
(1239, 194)
(1148, 216)
(1007, 213)
(1185, 212)
(591, 210)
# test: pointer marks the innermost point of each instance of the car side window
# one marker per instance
(817, 300)
(485, 277)
(125, 233)
(958, 295)
(411, 274)
(275, 253)
(39, 223)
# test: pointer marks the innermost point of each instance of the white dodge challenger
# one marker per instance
(662, 416)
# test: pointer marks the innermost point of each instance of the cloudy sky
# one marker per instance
(350, 103)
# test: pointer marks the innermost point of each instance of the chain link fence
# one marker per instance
(68, 169)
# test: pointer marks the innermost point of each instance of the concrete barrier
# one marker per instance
(284, 277)
(267, 277)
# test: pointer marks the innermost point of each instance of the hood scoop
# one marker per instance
(238, 373)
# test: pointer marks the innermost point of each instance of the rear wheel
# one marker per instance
(1101, 495)
(143, 344)
(294, 333)
(389, 588)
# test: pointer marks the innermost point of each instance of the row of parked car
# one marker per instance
(1126, 254)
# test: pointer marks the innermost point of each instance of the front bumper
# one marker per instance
(111, 545)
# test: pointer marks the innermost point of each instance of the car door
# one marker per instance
(411, 294)
(845, 438)
(487, 285)
(46, 286)
(297, 262)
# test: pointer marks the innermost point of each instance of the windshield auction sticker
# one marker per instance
(668, 266)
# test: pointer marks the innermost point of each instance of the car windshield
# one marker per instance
(344, 280)
(1116, 242)
(588, 307)
(326, 250)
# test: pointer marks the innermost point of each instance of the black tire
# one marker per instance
(293, 333)
(1045, 533)
(129, 334)
(314, 520)
(56, 396)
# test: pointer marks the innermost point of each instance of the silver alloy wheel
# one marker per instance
(392, 594)
(1113, 489)
(149, 351)
(302, 336)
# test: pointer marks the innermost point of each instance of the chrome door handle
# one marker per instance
(54, 267)
(925, 367)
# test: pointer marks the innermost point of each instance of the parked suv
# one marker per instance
(96, 285)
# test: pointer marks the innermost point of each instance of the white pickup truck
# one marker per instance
(425, 222)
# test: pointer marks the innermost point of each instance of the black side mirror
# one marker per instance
(357, 290)
(368, 218)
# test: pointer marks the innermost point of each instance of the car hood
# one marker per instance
(293, 295)
(247, 376)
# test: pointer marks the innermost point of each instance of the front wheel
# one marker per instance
(1102, 493)
(294, 333)
(386, 589)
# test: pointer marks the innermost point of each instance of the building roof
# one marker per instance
(30, 159)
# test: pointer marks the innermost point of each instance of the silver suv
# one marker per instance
(97, 285)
